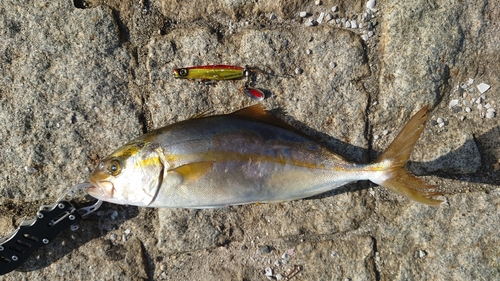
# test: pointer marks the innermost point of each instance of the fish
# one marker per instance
(248, 156)
(211, 72)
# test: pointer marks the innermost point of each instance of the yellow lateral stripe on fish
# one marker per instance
(245, 157)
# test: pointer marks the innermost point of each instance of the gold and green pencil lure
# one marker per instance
(211, 72)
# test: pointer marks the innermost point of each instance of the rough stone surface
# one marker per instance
(80, 78)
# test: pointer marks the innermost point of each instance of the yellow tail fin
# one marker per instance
(398, 179)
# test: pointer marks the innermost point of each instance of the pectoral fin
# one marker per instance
(191, 173)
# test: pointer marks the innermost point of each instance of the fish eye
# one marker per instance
(183, 72)
(114, 168)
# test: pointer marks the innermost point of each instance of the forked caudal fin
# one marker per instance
(392, 162)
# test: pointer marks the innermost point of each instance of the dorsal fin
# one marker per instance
(258, 112)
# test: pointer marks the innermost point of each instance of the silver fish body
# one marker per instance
(245, 157)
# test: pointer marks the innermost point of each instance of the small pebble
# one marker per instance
(371, 33)
(279, 277)
(265, 249)
(285, 256)
(302, 14)
(453, 103)
(310, 22)
(114, 215)
(385, 132)
(462, 118)
(365, 37)
(479, 100)
(441, 125)
(480, 106)
(272, 16)
(333, 64)
(328, 17)
(298, 70)
(335, 9)
(113, 237)
(269, 271)
(348, 24)
(318, 2)
(376, 137)
(354, 24)
(370, 4)
(30, 170)
(470, 82)
(421, 254)
(308, 51)
(467, 109)
(490, 113)
(127, 231)
(440, 120)
(483, 87)
(321, 17)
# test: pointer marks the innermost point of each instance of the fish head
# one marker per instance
(131, 175)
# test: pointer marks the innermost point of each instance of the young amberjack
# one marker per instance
(245, 157)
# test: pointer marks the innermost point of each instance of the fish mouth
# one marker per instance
(101, 189)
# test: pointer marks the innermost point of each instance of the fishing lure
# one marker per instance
(212, 72)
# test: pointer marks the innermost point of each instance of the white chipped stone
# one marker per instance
(328, 17)
(487, 106)
(310, 22)
(303, 14)
(269, 271)
(348, 24)
(308, 51)
(471, 80)
(279, 277)
(318, 2)
(467, 109)
(385, 132)
(321, 17)
(441, 125)
(335, 9)
(421, 253)
(440, 120)
(479, 100)
(453, 103)
(333, 64)
(480, 106)
(298, 70)
(490, 114)
(371, 33)
(365, 37)
(483, 87)
(462, 118)
(272, 16)
(354, 24)
(491, 109)
(338, 21)
(370, 4)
